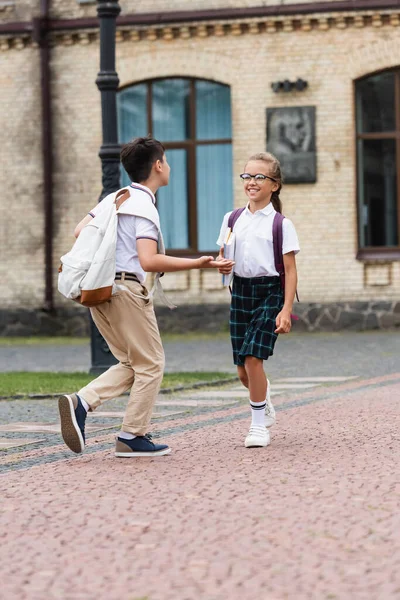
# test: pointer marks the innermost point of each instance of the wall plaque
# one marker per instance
(291, 138)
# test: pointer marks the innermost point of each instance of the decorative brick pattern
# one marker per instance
(378, 274)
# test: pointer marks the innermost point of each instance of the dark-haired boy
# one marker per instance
(127, 322)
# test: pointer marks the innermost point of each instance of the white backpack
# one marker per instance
(87, 271)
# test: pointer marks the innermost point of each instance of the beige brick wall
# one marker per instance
(21, 199)
(132, 6)
(324, 213)
(20, 10)
(25, 10)
(77, 136)
(72, 9)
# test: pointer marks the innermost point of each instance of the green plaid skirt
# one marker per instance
(255, 304)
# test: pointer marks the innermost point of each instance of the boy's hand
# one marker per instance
(283, 321)
(208, 262)
(204, 262)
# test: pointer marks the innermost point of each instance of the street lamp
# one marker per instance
(107, 82)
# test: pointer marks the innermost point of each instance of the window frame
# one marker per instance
(190, 145)
(379, 253)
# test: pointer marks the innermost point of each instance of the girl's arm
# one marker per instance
(283, 320)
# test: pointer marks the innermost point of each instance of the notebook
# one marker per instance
(229, 253)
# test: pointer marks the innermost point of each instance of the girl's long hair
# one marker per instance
(275, 172)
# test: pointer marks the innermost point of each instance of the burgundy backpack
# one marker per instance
(277, 239)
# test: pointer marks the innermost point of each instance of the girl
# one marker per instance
(260, 310)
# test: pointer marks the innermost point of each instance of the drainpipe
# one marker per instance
(40, 35)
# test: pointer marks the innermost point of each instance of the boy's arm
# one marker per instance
(152, 262)
(82, 224)
(283, 320)
(92, 213)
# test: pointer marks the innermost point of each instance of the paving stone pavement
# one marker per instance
(313, 516)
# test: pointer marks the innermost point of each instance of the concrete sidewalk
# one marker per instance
(313, 516)
(325, 354)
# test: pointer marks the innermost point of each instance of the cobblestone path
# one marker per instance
(315, 515)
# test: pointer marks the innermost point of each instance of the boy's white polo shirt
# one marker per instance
(254, 250)
(129, 230)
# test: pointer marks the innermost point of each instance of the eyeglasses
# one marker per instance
(258, 178)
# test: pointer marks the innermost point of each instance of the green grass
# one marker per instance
(44, 341)
(20, 382)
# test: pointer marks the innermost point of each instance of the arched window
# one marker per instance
(192, 118)
(378, 163)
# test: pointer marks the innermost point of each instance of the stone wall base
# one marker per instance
(339, 316)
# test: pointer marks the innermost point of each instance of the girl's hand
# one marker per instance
(283, 322)
(224, 266)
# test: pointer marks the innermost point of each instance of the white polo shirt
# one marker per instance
(254, 250)
(129, 230)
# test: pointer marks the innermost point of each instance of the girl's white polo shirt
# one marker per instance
(254, 251)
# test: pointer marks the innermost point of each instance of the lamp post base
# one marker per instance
(102, 357)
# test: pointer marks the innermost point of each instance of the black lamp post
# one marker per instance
(107, 82)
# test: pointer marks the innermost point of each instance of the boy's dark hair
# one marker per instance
(139, 155)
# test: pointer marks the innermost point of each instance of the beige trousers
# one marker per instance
(129, 326)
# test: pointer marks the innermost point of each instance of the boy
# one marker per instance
(127, 322)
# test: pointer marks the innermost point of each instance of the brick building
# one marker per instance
(208, 78)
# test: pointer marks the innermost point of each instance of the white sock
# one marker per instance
(258, 413)
(124, 435)
(84, 403)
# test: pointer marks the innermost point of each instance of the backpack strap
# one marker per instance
(233, 217)
(120, 197)
(277, 238)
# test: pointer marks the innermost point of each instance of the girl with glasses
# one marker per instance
(260, 308)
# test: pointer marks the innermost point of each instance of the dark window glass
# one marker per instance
(377, 186)
(375, 104)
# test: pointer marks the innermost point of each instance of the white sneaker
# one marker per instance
(270, 415)
(257, 437)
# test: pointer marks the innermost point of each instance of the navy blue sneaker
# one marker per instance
(141, 445)
(73, 417)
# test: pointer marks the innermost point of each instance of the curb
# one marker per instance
(171, 390)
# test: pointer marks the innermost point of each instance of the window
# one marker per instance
(192, 118)
(378, 164)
